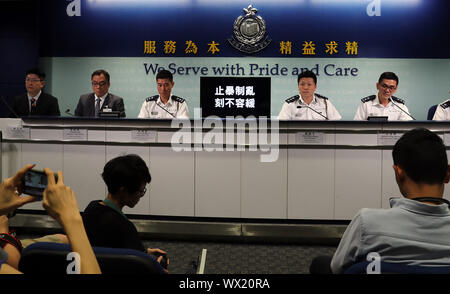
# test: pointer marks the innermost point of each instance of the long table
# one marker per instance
(324, 170)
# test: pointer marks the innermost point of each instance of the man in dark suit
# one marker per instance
(100, 101)
(35, 101)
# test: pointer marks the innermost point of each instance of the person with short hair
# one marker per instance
(308, 105)
(35, 102)
(92, 104)
(126, 178)
(415, 230)
(384, 104)
(164, 105)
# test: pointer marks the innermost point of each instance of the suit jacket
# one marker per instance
(86, 105)
(45, 105)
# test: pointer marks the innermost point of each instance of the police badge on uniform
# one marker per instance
(249, 32)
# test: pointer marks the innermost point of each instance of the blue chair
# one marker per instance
(43, 257)
(397, 268)
(431, 112)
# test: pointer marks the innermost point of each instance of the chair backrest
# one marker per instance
(46, 257)
(431, 112)
(398, 268)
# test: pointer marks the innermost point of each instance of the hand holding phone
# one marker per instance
(35, 182)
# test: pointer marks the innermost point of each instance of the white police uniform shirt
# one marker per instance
(442, 111)
(294, 108)
(153, 107)
(371, 106)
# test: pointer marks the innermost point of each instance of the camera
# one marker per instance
(35, 182)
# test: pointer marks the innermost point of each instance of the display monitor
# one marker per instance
(235, 96)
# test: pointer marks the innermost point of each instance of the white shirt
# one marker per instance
(370, 106)
(296, 109)
(442, 111)
(153, 107)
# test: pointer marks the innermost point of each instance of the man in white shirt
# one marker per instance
(384, 103)
(164, 105)
(443, 111)
(308, 105)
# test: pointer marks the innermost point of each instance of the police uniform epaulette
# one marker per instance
(445, 104)
(320, 96)
(368, 98)
(398, 100)
(292, 99)
(177, 99)
(152, 98)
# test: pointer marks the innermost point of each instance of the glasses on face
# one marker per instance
(32, 80)
(97, 84)
(386, 87)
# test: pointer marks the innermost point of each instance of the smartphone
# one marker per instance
(35, 182)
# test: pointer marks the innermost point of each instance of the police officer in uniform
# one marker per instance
(384, 104)
(443, 111)
(308, 105)
(164, 105)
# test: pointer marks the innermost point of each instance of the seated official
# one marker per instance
(443, 111)
(384, 103)
(308, 105)
(164, 105)
(100, 100)
(35, 101)
(106, 225)
(415, 230)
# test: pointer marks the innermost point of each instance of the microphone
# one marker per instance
(392, 101)
(306, 106)
(68, 112)
(3, 98)
(165, 109)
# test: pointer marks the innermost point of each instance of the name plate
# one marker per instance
(388, 139)
(309, 138)
(75, 134)
(17, 132)
(143, 136)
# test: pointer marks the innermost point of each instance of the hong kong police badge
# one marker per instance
(249, 32)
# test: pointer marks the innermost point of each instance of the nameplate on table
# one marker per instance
(17, 132)
(310, 137)
(388, 139)
(75, 134)
(143, 136)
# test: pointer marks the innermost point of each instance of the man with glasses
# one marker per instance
(101, 100)
(384, 104)
(35, 102)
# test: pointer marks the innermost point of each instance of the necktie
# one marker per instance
(33, 105)
(97, 107)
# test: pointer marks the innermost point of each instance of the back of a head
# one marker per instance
(307, 74)
(128, 171)
(422, 155)
(164, 74)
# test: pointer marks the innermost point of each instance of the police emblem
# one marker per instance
(249, 32)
